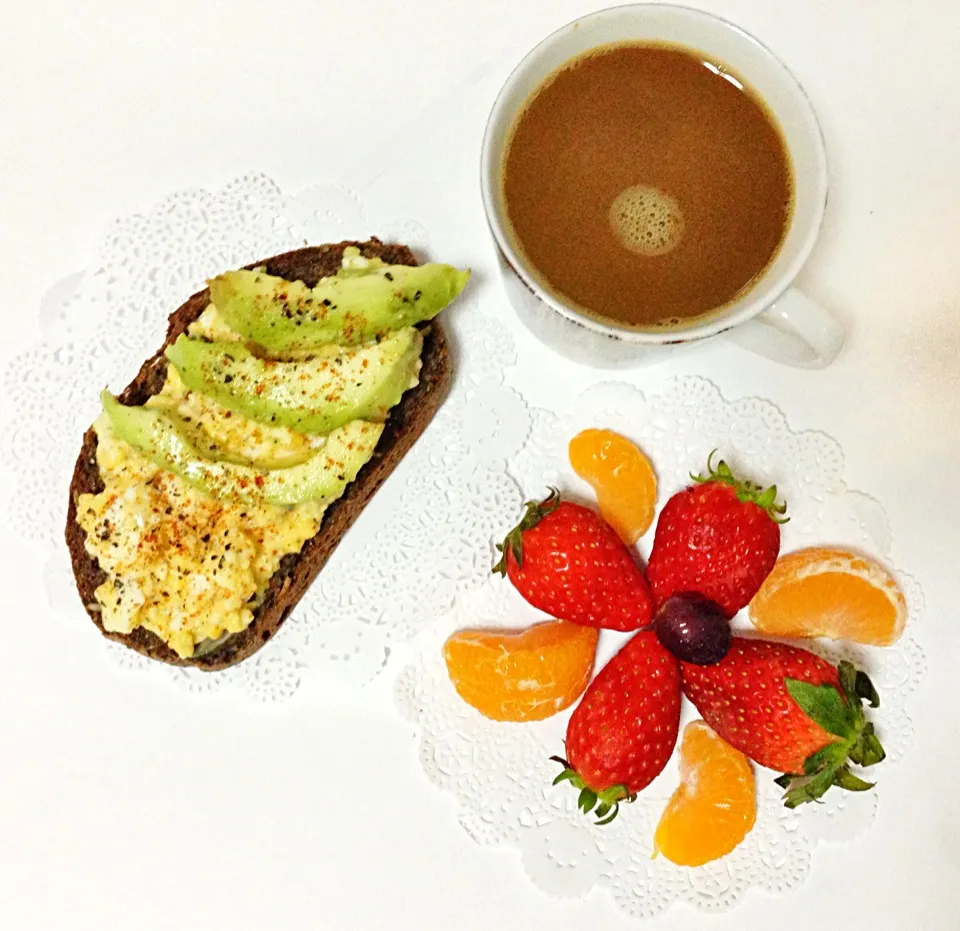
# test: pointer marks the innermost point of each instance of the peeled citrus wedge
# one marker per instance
(622, 479)
(715, 806)
(521, 675)
(836, 593)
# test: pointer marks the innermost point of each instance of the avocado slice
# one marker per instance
(314, 395)
(322, 477)
(365, 299)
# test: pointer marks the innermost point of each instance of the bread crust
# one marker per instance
(404, 425)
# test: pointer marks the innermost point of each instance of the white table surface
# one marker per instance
(130, 806)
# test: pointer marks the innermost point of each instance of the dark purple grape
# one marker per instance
(693, 628)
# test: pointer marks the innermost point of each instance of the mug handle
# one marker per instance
(794, 330)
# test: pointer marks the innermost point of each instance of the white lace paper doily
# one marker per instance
(97, 327)
(500, 773)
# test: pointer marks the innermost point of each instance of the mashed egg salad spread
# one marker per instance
(274, 400)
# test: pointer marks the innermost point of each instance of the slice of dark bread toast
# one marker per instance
(297, 570)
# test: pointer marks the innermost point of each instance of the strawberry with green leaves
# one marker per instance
(569, 562)
(718, 538)
(791, 711)
(624, 730)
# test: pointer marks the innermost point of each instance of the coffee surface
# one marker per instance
(646, 185)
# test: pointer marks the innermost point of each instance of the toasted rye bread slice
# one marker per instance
(297, 570)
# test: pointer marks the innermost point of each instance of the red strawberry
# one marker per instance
(719, 538)
(569, 562)
(624, 730)
(790, 710)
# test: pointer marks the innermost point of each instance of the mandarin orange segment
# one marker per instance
(524, 675)
(714, 807)
(622, 479)
(825, 592)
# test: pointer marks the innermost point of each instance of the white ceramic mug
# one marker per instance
(772, 318)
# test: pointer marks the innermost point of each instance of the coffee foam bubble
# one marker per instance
(646, 221)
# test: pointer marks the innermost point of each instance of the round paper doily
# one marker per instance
(500, 773)
(377, 589)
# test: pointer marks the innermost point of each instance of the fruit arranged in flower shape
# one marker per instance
(622, 479)
(829, 592)
(783, 707)
(569, 562)
(524, 675)
(719, 537)
(624, 730)
(715, 806)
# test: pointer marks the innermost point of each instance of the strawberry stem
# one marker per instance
(605, 803)
(513, 542)
(841, 715)
(746, 491)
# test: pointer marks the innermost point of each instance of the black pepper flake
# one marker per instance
(388, 276)
(326, 302)
(205, 538)
(228, 378)
(418, 295)
(169, 510)
(227, 547)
